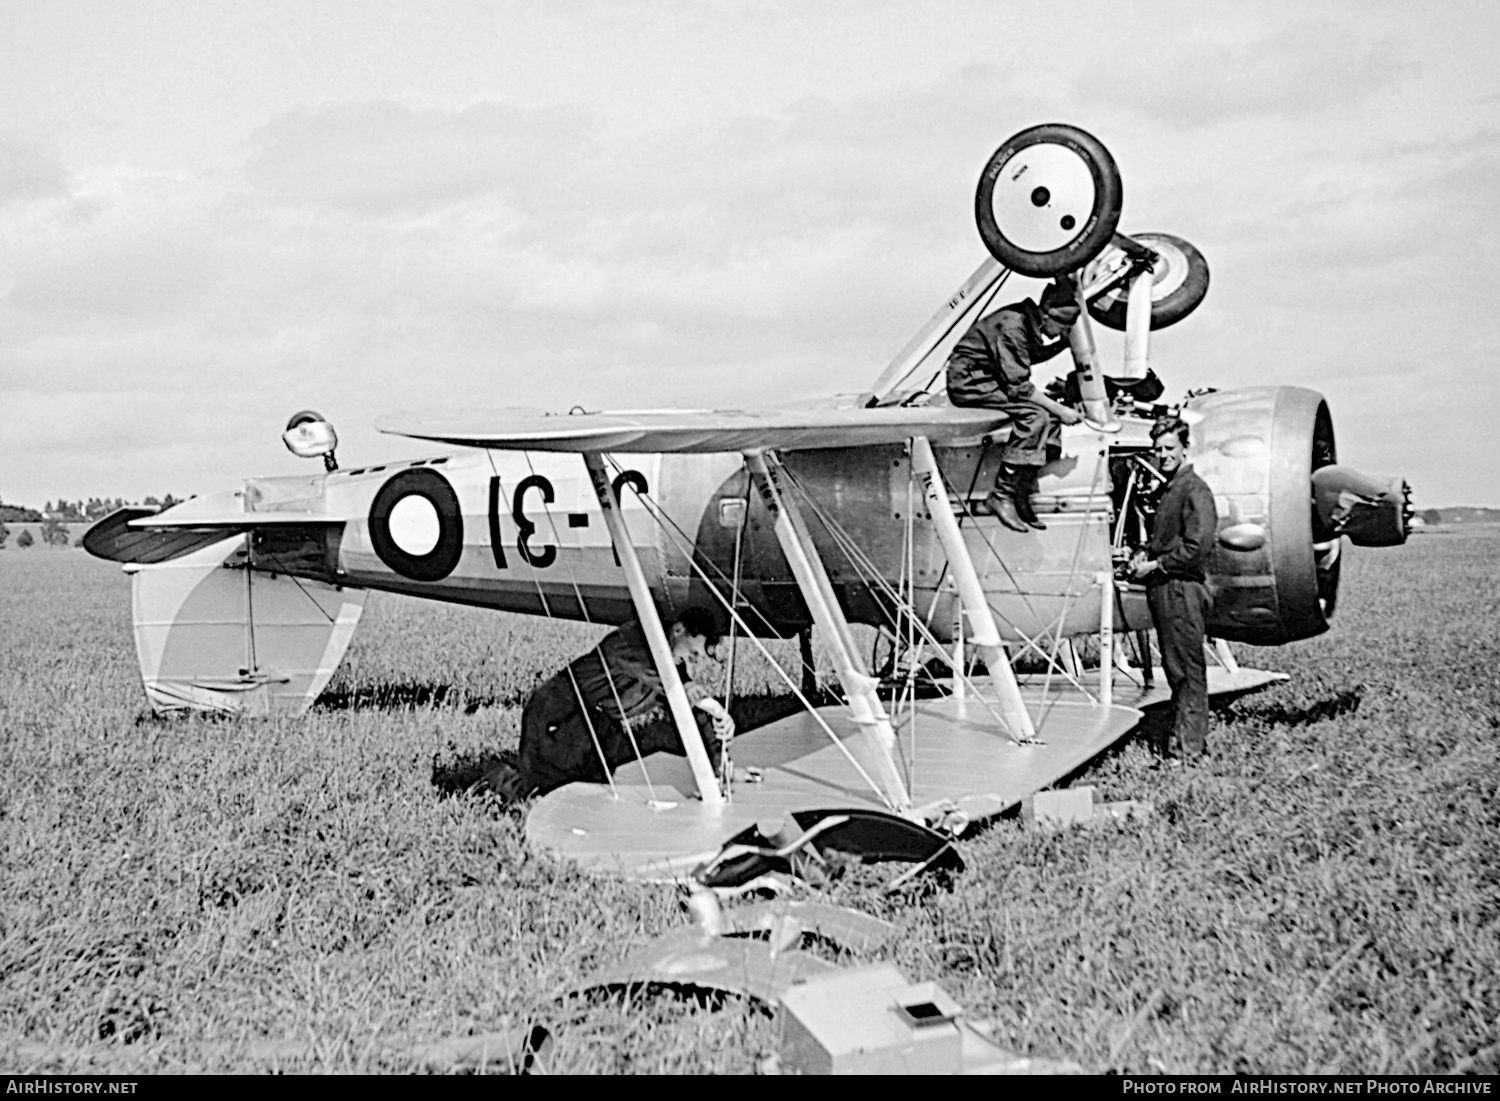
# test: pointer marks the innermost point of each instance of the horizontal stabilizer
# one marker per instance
(226, 512)
(143, 536)
(696, 430)
(227, 523)
(114, 538)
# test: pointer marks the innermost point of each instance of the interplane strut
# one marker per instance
(982, 630)
(859, 687)
(656, 637)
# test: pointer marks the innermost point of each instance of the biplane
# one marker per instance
(857, 510)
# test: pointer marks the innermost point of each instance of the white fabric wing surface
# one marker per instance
(662, 431)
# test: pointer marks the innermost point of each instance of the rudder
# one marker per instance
(214, 635)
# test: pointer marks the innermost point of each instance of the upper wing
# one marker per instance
(673, 430)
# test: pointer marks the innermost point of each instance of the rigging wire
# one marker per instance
(722, 578)
(872, 577)
(977, 310)
(1028, 641)
(296, 581)
(1068, 596)
(577, 691)
(599, 651)
(1115, 545)
(739, 548)
(690, 552)
(1051, 659)
(909, 552)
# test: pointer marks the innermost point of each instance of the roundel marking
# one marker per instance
(416, 526)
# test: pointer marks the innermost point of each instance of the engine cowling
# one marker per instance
(1274, 569)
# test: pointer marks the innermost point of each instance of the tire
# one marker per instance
(1179, 282)
(1056, 220)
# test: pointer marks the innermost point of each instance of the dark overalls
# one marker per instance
(594, 707)
(990, 368)
(1186, 523)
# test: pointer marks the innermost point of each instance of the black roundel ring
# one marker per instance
(441, 560)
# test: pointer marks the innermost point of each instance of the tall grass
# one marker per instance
(310, 894)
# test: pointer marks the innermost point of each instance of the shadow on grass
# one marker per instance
(151, 718)
(456, 776)
(401, 697)
(373, 697)
(1341, 703)
(1154, 731)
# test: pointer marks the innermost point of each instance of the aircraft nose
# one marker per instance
(1372, 511)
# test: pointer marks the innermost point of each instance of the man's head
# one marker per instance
(1169, 442)
(693, 634)
(1059, 308)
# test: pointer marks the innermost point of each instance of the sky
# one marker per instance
(213, 215)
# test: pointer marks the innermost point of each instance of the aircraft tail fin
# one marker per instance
(214, 635)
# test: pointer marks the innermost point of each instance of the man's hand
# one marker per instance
(696, 693)
(723, 724)
(1142, 567)
(1065, 413)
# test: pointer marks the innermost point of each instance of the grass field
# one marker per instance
(308, 894)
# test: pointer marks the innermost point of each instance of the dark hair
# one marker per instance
(1164, 425)
(1058, 295)
(700, 621)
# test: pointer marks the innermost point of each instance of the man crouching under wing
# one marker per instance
(607, 707)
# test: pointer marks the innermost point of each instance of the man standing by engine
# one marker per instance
(1172, 568)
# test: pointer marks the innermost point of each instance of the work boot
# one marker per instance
(1025, 488)
(1001, 502)
(1003, 508)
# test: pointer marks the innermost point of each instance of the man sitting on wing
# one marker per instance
(990, 368)
(602, 702)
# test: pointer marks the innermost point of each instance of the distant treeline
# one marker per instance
(1460, 515)
(95, 508)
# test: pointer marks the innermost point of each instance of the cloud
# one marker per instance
(122, 248)
(1378, 221)
(373, 256)
(577, 249)
(1294, 73)
(28, 171)
(382, 158)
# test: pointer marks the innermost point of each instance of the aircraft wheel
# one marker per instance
(1179, 281)
(1048, 200)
